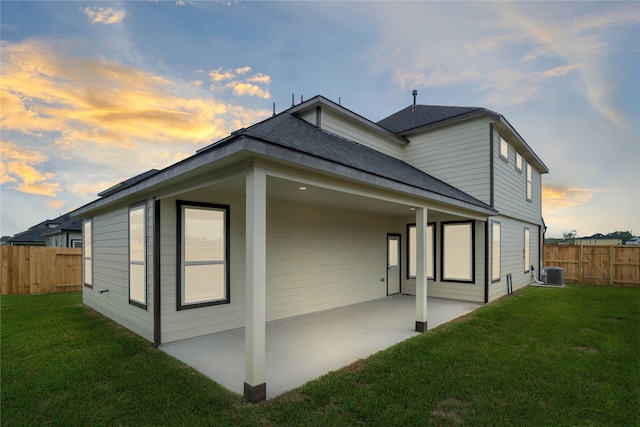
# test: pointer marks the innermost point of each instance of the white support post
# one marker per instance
(255, 388)
(421, 270)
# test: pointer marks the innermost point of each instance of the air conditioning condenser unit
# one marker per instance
(553, 276)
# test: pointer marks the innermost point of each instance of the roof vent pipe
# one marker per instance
(293, 100)
(274, 108)
(301, 99)
(415, 94)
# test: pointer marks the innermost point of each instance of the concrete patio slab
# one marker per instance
(306, 347)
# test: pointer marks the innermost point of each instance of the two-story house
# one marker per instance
(316, 208)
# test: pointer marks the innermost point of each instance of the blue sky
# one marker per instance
(96, 92)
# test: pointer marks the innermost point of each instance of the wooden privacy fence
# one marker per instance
(598, 265)
(39, 270)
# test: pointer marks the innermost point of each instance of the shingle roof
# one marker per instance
(423, 115)
(34, 233)
(72, 224)
(295, 133)
(128, 183)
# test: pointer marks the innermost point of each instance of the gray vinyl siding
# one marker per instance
(337, 125)
(111, 272)
(452, 290)
(510, 194)
(512, 257)
(317, 258)
(457, 154)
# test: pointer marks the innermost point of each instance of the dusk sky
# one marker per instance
(93, 93)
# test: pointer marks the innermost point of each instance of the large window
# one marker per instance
(430, 258)
(528, 182)
(526, 251)
(495, 251)
(137, 252)
(457, 251)
(203, 240)
(87, 252)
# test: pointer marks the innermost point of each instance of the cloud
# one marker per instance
(106, 16)
(92, 100)
(55, 204)
(584, 40)
(245, 86)
(555, 197)
(217, 75)
(102, 116)
(505, 52)
(18, 167)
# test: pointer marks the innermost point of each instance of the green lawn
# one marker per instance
(541, 357)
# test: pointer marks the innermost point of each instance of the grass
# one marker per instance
(542, 357)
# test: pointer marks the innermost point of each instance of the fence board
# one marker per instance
(599, 265)
(37, 269)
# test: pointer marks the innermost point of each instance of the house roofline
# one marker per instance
(482, 112)
(243, 143)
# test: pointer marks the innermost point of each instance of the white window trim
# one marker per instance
(180, 294)
(133, 300)
(446, 251)
(527, 250)
(496, 247)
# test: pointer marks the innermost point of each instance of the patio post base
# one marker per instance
(255, 393)
(421, 326)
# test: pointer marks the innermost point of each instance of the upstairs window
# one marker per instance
(504, 149)
(203, 240)
(528, 182)
(137, 251)
(518, 162)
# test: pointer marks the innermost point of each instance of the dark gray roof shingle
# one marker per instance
(423, 115)
(292, 132)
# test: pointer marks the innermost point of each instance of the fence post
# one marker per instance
(611, 263)
(579, 263)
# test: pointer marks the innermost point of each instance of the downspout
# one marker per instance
(491, 168)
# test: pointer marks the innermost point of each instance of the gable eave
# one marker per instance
(321, 101)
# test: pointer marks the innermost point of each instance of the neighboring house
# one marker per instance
(66, 235)
(312, 209)
(34, 236)
(634, 241)
(598, 239)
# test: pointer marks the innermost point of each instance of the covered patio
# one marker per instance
(306, 347)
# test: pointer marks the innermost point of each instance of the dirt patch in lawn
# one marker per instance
(586, 349)
(449, 412)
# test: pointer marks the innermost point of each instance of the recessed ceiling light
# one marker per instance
(302, 188)
(412, 209)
